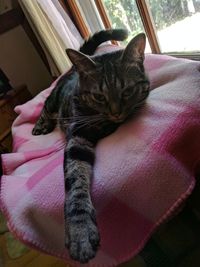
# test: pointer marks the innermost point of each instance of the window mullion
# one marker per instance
(102, 11)
(74, 8)
(103, 14)
(147, 21)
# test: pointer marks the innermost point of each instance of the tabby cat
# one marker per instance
(89, 102)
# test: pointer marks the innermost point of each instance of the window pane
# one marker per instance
(125, 14)
(177, 24)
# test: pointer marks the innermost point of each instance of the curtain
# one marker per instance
(54, 30)
(91, 15)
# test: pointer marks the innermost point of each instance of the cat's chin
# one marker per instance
(117, 121)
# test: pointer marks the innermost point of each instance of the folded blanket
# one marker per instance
(143, 172)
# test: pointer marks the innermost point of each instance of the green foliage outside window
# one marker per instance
(124, 13)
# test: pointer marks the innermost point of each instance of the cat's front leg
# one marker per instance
(47, 119)
(45, 123)
(82, 237)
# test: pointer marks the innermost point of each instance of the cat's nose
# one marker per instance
(115, 116)
(115, 110)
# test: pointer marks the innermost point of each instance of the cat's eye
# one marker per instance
(128, 92)
(99, 97)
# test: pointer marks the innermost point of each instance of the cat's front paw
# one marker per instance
(83, 241)
(42, 128)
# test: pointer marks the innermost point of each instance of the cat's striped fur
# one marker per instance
(88, 103)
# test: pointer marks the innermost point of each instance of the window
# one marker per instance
(174, 22)
(170, 26)
(124, 14)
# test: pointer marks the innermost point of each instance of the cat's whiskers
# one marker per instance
(82, 120)
(79, 119)
(90, 123)
(87, 121)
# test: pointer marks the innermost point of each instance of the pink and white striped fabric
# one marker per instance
(143, 172)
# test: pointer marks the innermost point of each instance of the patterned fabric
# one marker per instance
(143, 172)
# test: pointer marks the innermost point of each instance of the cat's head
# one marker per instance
(113, 84)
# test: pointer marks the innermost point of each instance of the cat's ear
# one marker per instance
(135, 49)
(83, 63)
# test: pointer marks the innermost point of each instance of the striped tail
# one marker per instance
(98, 38)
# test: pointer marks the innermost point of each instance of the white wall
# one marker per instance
(21, 62)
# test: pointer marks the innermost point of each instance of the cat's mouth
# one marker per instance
(117, 119)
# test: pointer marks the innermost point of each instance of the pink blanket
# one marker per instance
(143, 172)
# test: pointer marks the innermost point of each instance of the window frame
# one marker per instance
(149, 27)
(73, 7)
(147, 21)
